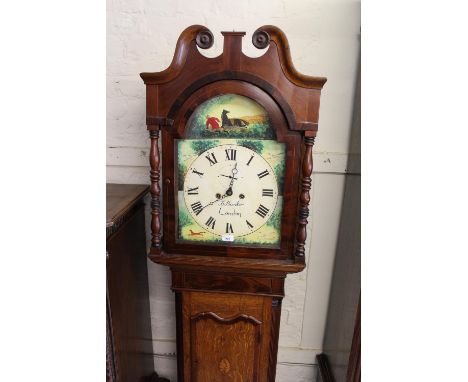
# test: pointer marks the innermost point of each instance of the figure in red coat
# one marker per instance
(212, 122)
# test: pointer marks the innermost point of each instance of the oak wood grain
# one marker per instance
(226, 339)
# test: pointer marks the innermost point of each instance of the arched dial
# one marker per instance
(230, 189)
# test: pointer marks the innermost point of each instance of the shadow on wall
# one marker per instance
(346, 280)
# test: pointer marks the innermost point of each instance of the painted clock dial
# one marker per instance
(230, 190)
(230, 175)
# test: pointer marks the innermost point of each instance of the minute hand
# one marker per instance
(233, 173)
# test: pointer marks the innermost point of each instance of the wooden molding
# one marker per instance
(262, 37)
(231, 320)
(229, 282)
(154, 123)
(241, 265)
(248, 78)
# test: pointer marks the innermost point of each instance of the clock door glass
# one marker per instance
(230, 181)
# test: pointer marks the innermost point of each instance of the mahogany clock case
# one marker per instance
(292, 102)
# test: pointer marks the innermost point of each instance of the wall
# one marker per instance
(346, 278)
(324, 40)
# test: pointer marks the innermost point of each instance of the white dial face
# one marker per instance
(230, 189)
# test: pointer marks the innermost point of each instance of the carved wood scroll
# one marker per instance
(232, 320)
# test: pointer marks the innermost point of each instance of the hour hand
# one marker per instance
(229, 176)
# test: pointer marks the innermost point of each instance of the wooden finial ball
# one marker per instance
(205, 39)
(260, 39)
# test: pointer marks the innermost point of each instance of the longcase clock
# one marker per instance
(236, 156)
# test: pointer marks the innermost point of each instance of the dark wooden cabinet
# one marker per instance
(129, 343)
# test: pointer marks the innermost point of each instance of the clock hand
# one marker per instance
(228, 176)
(233, 173)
